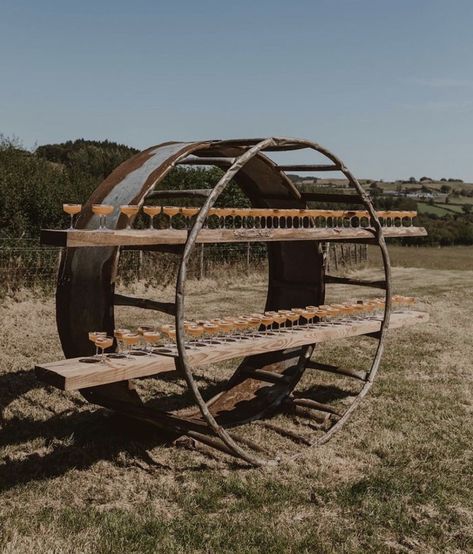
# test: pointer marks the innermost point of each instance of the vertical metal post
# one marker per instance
(248, 251)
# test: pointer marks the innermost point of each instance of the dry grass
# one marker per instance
(398, 478)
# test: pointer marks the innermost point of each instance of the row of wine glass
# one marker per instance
(223, 218)
(216, 331)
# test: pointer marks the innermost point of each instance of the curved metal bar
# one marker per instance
(180, 296)
(182, 275)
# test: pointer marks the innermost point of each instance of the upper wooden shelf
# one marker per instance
(73, 375)
(146, 237)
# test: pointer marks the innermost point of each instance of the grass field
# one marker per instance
(397, 478)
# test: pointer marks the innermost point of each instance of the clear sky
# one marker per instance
(386, 84)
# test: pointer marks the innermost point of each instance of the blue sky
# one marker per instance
(387, 85)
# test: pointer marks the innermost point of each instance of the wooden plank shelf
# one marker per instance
(73, 375)
(145, 237)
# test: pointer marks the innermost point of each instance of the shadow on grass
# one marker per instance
(324, 393)
(77, 438)
(94, 436)
(13, 385)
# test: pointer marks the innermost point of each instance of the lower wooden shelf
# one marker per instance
(73, 375)
(147, 237)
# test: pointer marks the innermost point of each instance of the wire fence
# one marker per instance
(26, 264)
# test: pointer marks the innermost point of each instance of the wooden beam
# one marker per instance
(331, 197)
(73, 375)
(144, 303)
(334, 279)
(356, 374)
(207, 161)
(190, 193)
(136, 237)
(309, 167)
(268, 376)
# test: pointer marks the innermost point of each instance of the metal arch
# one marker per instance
(260, 146)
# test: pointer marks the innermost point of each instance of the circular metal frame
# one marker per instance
(86, 278)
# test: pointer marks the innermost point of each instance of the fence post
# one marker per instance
(326, 253)
(248, 251)
(201, 262)
(140, 265)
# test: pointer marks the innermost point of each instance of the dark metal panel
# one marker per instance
(84, 297)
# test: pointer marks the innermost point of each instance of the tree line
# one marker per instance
(34, 185)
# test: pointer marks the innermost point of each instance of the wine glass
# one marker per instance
(266, 321)
(224, 214)
(292, 317)
(130, 211)
(93, 336)
(227, 327)
(151, 339)
(194, 331)
(130, 340)
(213, 213)
(72, 210)
(308, 315)
(103, 343)
(240, 326)
(152, 212)
(189, 213)
(102, 210)
(210, 329)
(170, 332)
(279, 318)
(170, 211)
(118, 334)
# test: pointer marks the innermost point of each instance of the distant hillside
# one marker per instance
(34, 185)
(93, 157)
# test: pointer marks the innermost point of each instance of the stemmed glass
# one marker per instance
(280, 318)
(213, 213)
(152, 212)
(224, 213)
(170, 332)
(170, 211)
(194, 331)
(103, 343)
(72, 210)
(227, 327)
(93, 336)
(266, 321)
(292, 317)
(151, 339)
(239, 325)
(189, 213)
(211, 329)
(118, 334)
(130, 340)
(102, 210)
(129, 210)
(255, 218)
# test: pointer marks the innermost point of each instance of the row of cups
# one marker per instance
(199, 332)
(256, 217)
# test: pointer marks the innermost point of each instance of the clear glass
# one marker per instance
(102, 210)
(170, 211)
(130, 211)
(103, 343)
(151, 212)
(72, 210)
